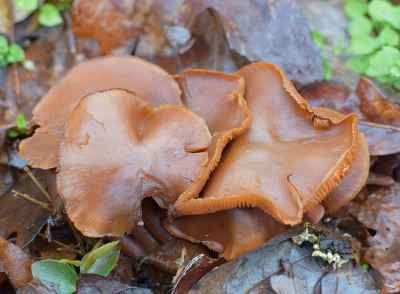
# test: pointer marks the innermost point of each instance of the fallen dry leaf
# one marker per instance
(375, 106)
(381, 212)
(89, 284)
(113, 24)
(20, 216)
(275, 31)
(6, 17)
(16, 263)
(282, 267)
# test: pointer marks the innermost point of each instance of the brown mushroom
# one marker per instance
(288, 161)
(143, 78)
(118, 150)
(231, 232)
(356, 177)
(212, 95)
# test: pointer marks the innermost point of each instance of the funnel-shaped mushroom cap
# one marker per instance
(231, 233)
(288, 161)
(117, 150)
(145, 79)
(355, 178)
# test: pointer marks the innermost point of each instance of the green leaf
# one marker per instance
(73, 262)
(388, 36)
(12, 134)
(62, 275)
(102, 260)
(358, 64)
(49, 15)
(15, 54)
(27, 5)
(363, 44)
(318, 39)
(327, 69)
(3, 45)
(21, 122)
(355, 8)
(383, 61)
(360, 26)
(384, 11)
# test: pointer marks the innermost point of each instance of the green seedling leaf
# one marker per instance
(381, 62)
(49, 15)
(384, 11)
(358, 64)
(388, 37)
(27, 5)
(13, 134)
(73, 262)
(360, 25)
(3, 45)
(102, 260)
(21, 122)
(56, 273)
(355, 8)
(15, 54)
(327, 69)
(318, 39)
(364, 44)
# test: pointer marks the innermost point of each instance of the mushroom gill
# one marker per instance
(287, 162)
(118, 150)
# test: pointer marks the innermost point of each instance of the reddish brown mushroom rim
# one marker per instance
(288, 161)
(118, 150)
(50, 114)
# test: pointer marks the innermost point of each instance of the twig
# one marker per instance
(61, 244)
(37, 183)
(42, 204)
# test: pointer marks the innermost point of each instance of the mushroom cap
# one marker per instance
(287, 162)
(118, 150)
(356, 177)
(231, 233)
(136, 75)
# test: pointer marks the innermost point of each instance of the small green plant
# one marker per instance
(374, 31)
(49, 14)
(20, 128)
(101, 260)
(320, 42)
(10, 52)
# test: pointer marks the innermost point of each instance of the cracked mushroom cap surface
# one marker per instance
(118, 150)
(287, 162)
(134, 74)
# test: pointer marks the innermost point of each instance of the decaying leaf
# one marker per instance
(381, 212)
(375, 106)
(6, 17)
(21, 216)
(16, 263)
(283, 267)
(113, 24)
(89, 284)
(269, 30)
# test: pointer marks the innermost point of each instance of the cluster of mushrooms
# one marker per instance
(233, 159)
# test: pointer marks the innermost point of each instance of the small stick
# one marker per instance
(37, 183)
(42, 204)
(61, 244)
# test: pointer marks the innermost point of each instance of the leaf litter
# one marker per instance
(181, 35)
